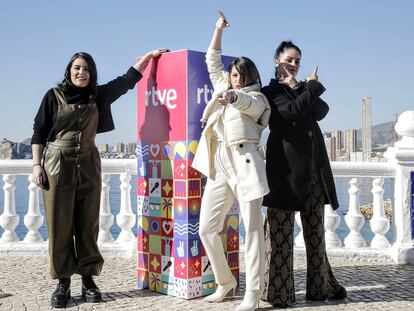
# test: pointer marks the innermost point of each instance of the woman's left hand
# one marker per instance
(142, 64)
(314, 75)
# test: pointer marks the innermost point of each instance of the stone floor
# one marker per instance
(25, 285)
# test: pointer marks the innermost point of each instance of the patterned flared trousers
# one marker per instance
(279, 282)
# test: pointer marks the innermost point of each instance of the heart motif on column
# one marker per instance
(167, 226)
(154, 149)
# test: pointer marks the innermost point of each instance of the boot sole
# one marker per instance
(92, 299)
(60, 304)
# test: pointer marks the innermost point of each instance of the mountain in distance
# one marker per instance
(12, 150)
(381, 134)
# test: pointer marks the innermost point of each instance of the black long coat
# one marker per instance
(295, 144)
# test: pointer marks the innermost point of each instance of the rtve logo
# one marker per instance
(169, 96)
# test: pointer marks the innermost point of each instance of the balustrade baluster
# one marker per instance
(332, 221)
(379, 223)
(9, 220)
(106, 219)
(33, 220)
(354, 218)
(299, 241)
(125, 219)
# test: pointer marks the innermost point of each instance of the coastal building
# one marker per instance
(330, 143)
(132, 147)
(350, 141)
(366, 125)
(119, 148)
(337, 134)
(103, 148)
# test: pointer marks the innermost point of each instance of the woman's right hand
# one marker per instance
(222, 22)
(39, 176)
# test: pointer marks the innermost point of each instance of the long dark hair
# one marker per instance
(93, 82)
(247, 70)
(283, 46)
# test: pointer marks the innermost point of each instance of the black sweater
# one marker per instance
(45, 121)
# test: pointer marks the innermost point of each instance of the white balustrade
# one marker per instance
(379, 223)
(33, 220)
(106, 219)
(398, 168)
(126, 218)
(402, 157)
(354, 218)
(299, 240)
(332, 221)
(9, 220)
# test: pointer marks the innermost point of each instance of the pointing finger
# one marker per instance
(223, 17)
(288, 72)
(315, 71)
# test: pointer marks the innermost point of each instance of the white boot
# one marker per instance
(250, 301)
(222, 291)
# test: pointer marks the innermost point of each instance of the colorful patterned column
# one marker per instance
(171, 259)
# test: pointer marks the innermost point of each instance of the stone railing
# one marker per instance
(34, 244)
(354, 243)
(398, 168)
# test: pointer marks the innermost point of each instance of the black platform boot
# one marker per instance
(90, 292)
(61, 295)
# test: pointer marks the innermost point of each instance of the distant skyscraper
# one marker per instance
(350, 139)
(338, 142)
(132, 147)
(119, 148)
(366, 125)
(103, 148)
(330, 143)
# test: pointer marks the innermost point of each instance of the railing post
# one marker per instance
(379, 223)
(354, 218)
(299, 240)
(126, 218)
(33, 219)
(9, 220)
(332, 221)
(402, 155)
(106, 219)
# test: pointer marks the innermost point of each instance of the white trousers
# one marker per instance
(219, 196)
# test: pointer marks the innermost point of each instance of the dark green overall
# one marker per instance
(73, 168)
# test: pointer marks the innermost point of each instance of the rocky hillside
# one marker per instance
(381, 134)
(11, 150)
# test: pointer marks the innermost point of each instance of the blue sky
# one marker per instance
(363, 48)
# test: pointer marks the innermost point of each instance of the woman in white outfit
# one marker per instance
(229, 157)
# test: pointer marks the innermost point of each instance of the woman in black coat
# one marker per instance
(300, 179)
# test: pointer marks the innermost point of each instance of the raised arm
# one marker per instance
(218, 74)
(290, 107)
(218, 32)
(143, 62)
(111, 91)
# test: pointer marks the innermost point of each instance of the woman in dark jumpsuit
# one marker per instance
(300, 179)
(68, 119)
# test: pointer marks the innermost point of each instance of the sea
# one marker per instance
(342, 186)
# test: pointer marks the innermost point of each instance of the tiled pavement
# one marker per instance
(25, 285)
